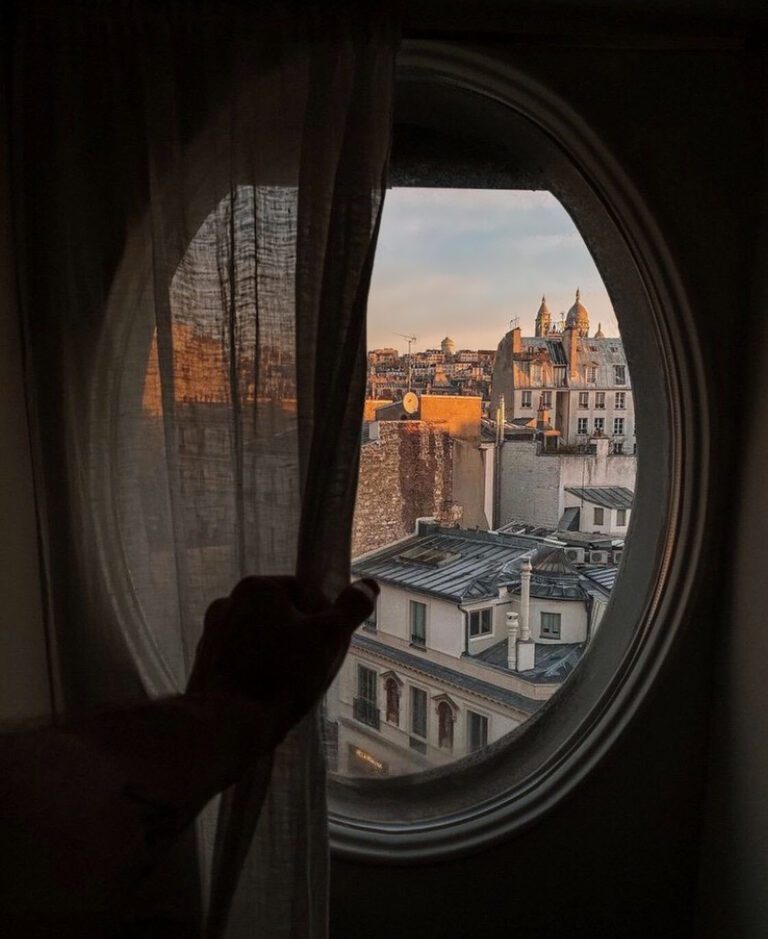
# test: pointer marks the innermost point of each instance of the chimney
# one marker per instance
(602, 447)
(542, 415)
(517, 342)
(513, 629)
(571, 348)
(526, 655)
(500, 421)
(526, 647)
(525, 600)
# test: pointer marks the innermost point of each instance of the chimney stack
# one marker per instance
(500, 421)
(526, 647)
(571, 348)
(513, 629)
(525, 600)
(542, 415)
(517, 342)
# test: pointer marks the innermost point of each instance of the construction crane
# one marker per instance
(411, 339)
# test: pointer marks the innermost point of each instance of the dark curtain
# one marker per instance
(197, 189)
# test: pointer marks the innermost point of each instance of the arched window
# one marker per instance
(392, 692)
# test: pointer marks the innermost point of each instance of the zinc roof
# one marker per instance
(483, 560)
(609, 497)
(604, 576)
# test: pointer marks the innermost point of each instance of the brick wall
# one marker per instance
(404, 475)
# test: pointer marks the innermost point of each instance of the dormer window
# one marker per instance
(481, 622)
(418, 617)
(591, 374)
(620, 374)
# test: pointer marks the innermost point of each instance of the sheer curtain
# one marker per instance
(197, 194)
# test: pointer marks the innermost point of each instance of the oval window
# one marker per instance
(497, 476)
(533, 562)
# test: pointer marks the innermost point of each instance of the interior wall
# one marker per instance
(620, 856)
(733, 896)
(24, 692)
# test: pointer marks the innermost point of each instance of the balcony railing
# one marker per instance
(366, 712)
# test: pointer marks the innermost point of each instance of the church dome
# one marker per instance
(578, 316)
(448, 346)
(599, 334)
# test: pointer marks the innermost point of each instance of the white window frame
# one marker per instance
(619, 374)
(413, 605)
(554, 630)
(620, 400)
(482, 613)
(618, 426)
(487, 724)
(526, 399)
(582, 425)
(599, 400)
(583, 400)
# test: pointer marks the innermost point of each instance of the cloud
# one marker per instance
(465, 262)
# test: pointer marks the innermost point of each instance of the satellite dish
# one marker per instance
(410, 402)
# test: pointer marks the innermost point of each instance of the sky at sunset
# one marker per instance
(463, 263)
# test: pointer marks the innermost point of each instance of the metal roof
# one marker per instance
(604, 576)
(551, 559)
(556, 351)
(554, 663)
(483, 560)
(602, 354)
(450, 676)
(609, 497)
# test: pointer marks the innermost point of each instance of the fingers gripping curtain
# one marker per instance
(197, 199)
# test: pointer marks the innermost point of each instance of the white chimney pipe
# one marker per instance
(513, 628)
(525, 600)
(500, 421)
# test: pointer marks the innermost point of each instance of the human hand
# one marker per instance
(279, 642)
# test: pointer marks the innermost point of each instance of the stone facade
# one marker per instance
(532, 488)
(406, 472)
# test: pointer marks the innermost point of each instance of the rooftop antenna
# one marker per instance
(411, 339)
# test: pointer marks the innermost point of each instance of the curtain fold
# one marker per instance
(197, 196)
